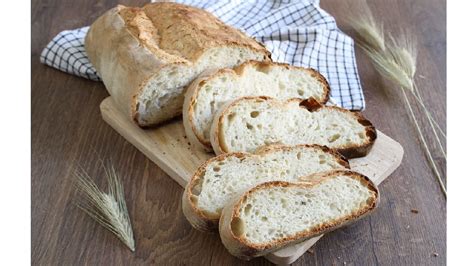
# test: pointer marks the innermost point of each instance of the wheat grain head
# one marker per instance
(108, 209)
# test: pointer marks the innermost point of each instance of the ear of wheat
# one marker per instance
(396, 61)
(367, 30)
(107, 208)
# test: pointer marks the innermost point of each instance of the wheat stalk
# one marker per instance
(430, 157)
(108, 209)
(396, 61)
(418, 98)
(405, 54)
(370, 37)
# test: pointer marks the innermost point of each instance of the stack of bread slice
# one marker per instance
(260, 103)
(225, 176)
(281, 174)
(279, 196)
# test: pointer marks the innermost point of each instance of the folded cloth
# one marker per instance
(295, 32)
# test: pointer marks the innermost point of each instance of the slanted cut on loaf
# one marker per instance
(147, 56)
(276, 214)
(250, 122)
(222, 177)
(209, 92)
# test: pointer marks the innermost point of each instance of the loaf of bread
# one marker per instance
(147, 56)
(209, 92)
(276, 214)
(250, 122)
(222, 177)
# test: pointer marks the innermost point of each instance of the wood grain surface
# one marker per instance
(409, 227)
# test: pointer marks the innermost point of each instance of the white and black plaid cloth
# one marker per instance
(295, 32)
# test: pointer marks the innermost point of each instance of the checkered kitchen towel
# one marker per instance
(295, 32)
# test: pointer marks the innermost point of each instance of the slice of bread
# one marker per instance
(250, 122)
(222, 177)
(209, 92)
(276, 214)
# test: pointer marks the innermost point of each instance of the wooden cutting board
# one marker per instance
(169, 148)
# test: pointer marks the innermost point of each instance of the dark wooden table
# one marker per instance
(68, 131)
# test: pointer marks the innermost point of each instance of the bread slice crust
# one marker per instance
(205, 221)
(240, 247)
(349, 151)
(130, 46)
(193, 92)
